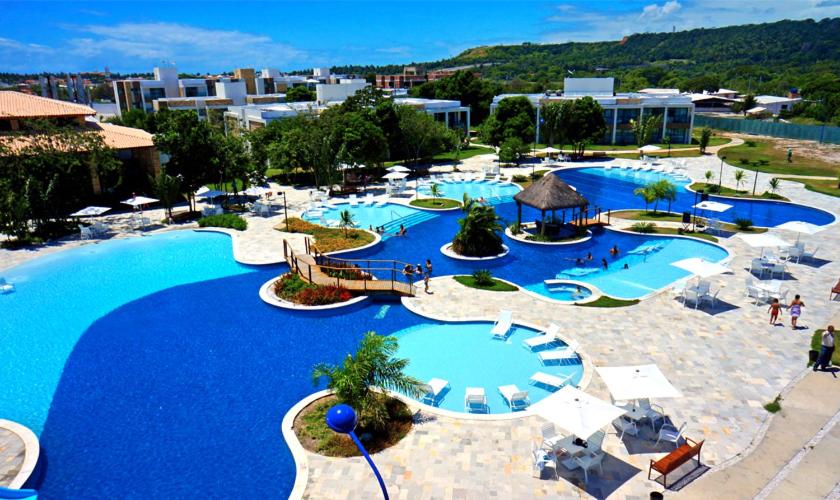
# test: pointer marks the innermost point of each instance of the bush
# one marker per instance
(292, 288)
(538, 174)
(643, 227)
(230, 221)
(743, 223)
(744, 161)
(483, 277)
(750, 144)
(520, 178)
(712, 188)
(763, 161)
(514, 228)
(539, 238)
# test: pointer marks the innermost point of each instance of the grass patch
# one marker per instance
(438, 203)
(641, 215)
(449, 156)
(604, 301)
(775, 405)
(816, 343)
(328, 239)
(727, 191)
(527, 180)
(497, 286)
(315, 436)
(230, 221)
(771, 158)
(830, 187)
(677, 231)
(660, 154)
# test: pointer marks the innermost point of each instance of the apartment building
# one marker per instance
(411, 76)
(677, 110)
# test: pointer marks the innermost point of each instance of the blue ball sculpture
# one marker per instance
(342, 419)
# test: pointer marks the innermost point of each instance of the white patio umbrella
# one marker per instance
(139, 201)
(712, 206)
(576, 411)
(395, 176)
(550, 150)
(701, 267)
(398, 168)
(91, 211)
(800, 227)
(256, 191)
(764, 240)
(649, 148)
(627, 383)
(210, 194)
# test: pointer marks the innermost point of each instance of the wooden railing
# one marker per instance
(358, 275)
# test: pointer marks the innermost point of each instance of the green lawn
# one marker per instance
(497, 286)
(467, 152)
(816, 342)
(604, 301)
(742, 193)
(438, 203)
(669, 217)
(661, 154)
(824, 186)
(775, 158)
(676, 231)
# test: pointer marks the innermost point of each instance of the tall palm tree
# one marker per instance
(739, 178)
(346, 220)
(664, 190)
(435, 191)
(646, 193)
(372, 366)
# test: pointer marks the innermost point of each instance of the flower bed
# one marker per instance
(293, 289)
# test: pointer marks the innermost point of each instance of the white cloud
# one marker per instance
(654, 11)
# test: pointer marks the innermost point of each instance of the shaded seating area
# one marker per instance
(551, 194)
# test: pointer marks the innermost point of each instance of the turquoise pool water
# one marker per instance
(465, 355)
(565, 292)
(475, 189)
(390, 215)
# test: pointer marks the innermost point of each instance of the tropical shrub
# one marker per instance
(483, 277)
(643, 227)
(744, 161)
(750, 144)
(743, 223)
(372, 366)
(712, 188)
(322, 295)
(479, 231)
(514, 228)
(230, 221)
(520, 178)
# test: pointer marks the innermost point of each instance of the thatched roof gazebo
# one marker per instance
(550, 193)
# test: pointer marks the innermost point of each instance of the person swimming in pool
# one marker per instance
(402, 231)
(589, 256)
(614, 251)
(626, 266)
(604, 263)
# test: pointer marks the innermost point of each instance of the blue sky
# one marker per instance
(217, 36)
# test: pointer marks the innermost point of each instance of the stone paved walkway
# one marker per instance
(12, 450)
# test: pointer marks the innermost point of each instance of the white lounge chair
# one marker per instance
(5, 286)
(516, 399)
(547, 337)
(353, 200)
(553, 381)
(501, 327)
(474, 399)
(433, 389)
(567, 352)
(368, 200)
(382, 201)
(327, 223)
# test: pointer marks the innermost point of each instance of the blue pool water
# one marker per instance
(565, 292)
(388, 215)
(613, 189)
(475, 189)
(438, 350)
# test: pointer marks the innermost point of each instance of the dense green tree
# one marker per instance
(479, 231)
(167, 189)
(514, 117)
(422, 136)
(192, 146)
(136, 118)
(464, 86)
(513, 150)
(584, 124)
(358, 138)
(552, 116)
(646, 128)
(299, 94)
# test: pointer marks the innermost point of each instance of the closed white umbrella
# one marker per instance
(627, 383)
(398, 168)
(712, 206)
(576, 411)
(701, 267)
(801, 227)
(92, 211)
(395, 176)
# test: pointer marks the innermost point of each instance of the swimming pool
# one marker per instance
(613, 189)
(390, 215)
(475, 190)
(465, 355)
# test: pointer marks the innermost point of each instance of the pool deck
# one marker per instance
(727, 364)
(19, 452)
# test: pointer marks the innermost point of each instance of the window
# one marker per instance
(190, 92)
(155, 93)
(678, 115)
(625, 115)
(678, 135)
(624, 136)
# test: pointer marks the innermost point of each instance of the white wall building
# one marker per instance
(331, 92)
(775, 105)
(234, 90)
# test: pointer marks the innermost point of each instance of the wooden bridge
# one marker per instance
(360, 276)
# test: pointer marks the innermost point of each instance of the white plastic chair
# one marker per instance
(692, 295)
(543, 461)
(711, 298)
(588, 461)
(757, 266)
(568, 352)
(502, 325)
(549, 336)
(516, 399)
(626, 427)
(809, 255)
(670, 433)
(653, 412)
(758, 295)
(85, 233)
(433, 389)
(778, 268)
(549, 435)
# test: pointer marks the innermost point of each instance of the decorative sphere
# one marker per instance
(341, 418)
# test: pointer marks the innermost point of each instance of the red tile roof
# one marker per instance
(19, 105)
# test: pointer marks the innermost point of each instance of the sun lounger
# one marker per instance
(381, 201)
(567, 352)
(327, 223)
(368, 200)
(433, 389)
(353, 200)
(549, 336)
(553, 381)
(516, 399)
(502, 325)
(474, 399)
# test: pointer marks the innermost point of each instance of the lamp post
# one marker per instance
(720, 177)
(342, 419)
(285, 211)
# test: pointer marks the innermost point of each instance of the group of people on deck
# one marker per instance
(411, 272)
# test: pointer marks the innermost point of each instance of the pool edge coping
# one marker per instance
(274, 301)
(31, 452)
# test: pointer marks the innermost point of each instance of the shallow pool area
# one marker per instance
(389, 215)
(564, 291)
(474, 189)
(465, 355)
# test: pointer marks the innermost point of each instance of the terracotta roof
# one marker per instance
(20, 105)
(119, 137)
(550, 193)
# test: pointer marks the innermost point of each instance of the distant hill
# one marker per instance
(762, 58)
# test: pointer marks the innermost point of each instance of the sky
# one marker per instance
(210, 37)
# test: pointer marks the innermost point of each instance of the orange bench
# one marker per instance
(672, 461)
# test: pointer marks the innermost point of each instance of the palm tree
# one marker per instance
(346, 220)
(739, 178)
(664, 190)
(709, 176)
(774, 184)
(479, 231)
(372, 366)
(647, 193)
(436, 193)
